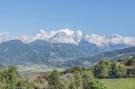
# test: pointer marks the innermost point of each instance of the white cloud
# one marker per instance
(4, 37)
(112, 39)
(97, 39)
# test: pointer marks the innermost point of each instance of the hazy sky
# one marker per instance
(90, 16)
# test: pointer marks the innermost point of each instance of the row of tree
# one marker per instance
(79, 80)
(129, 61)
(110, 69)
(11, 79)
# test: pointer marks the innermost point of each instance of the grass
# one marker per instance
(119, 83)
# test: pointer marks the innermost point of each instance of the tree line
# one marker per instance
(10, 78)
(115, 69)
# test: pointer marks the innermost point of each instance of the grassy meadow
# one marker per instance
(119, 83)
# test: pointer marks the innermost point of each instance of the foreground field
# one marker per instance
(119, 83)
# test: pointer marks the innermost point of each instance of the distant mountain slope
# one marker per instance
(13, 48)
(58, 54)
(117, 53)
(65, 50)
(90, 47)
(37, 52)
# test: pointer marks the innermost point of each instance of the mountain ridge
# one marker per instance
(63, 47)
(74, 37)
(54, 54)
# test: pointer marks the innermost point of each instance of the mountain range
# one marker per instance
(63, 47)
(73, 37)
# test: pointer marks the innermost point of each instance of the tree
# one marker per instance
(23, 84)
(54, 80)
(131, 61)
(73, 86)
(10, 79)
(90, 83)
(102, 69)
(78, 80)
(94, 85)
(119, 70)
(133, 71)
(73, 70)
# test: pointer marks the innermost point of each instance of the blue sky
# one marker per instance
(90, 16)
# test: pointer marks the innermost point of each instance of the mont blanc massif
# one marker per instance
(63, 48)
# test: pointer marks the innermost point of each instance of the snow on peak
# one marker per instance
(74, 37)
(64, 36)
(43, 35)
(25, 38)
(60, 36)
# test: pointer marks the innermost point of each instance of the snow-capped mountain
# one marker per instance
(54, 46)
(74, 37)
(63, 36)
(60, 36)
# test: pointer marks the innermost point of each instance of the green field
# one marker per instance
(119, 83)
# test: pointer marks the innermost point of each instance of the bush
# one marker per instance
(10, 79)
